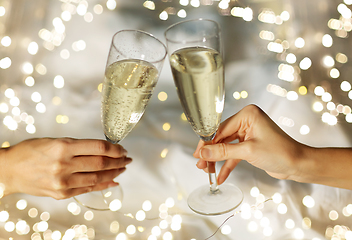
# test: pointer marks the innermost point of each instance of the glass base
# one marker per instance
(107, 199)
(227, 198)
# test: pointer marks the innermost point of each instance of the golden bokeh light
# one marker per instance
(244, 94)
(5, 144)
(162, 96)
(183, 117)
(164, 153)
(303, 90)
(166, 126)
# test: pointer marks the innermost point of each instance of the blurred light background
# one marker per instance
(291, 57)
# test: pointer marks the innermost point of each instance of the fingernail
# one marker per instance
(113, 184)
(205, 153)
(118, 172)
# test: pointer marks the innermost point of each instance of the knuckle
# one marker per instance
(59, 185)
(58, 168)
(254, 109)
(102, 146)
(93, 179)
(223, 150)
(102, 163)
(61, 147)
(60, 195)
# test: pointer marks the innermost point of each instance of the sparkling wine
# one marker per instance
(127, 89)
(199, 78)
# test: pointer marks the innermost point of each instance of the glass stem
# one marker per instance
(212, 177)
(213, 181)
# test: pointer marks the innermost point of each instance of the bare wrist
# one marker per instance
(306, 165)
(327, 166)
(5, 176)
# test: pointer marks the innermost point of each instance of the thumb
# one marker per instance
(221, 151)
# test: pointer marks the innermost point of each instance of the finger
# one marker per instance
(238, 124)
(201, 164)
(105, 185)
(79, 180)
(224, 151)
(97, 163)
(226, 169)
(77, 191)
(229, 139)
(200, 145)
(228, 129)
(81, 147)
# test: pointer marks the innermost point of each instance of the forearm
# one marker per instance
(327, 166)
(5, 180)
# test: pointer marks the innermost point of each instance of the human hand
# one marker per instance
(61, 168)
(260, 142)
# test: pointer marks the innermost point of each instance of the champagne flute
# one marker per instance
(133, 67)
(195, 55)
